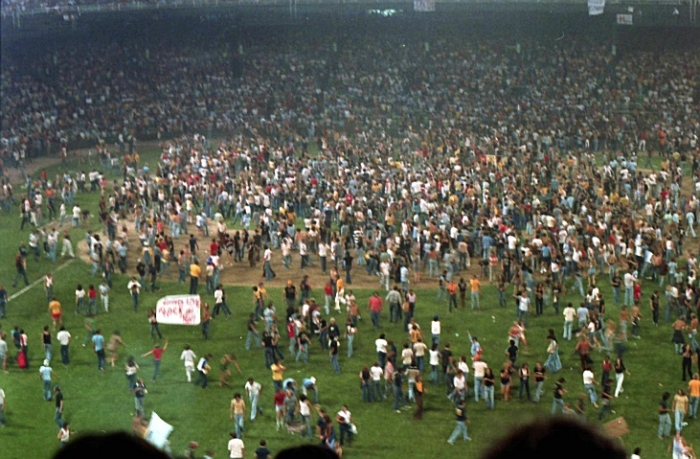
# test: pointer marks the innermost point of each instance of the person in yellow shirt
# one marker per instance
(195, 272)
(277, 374)
(475, 286)
(694, 390)
(262, 292)
(55, 309)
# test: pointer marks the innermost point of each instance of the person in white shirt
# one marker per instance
(76, 215)
(376, 373)
(253, 389)
(64, 338)
(460, 383)
(381, 345)
(2, 407)
(135, 288)
(189, 357)
(435, 329)
(589, 383)
(479, 367)
(286, 253)
(434, 361)
(629, 280)
(344, 419)
(569, 315)
(406, 355)
(236, 447)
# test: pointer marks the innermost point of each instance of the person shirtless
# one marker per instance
(112, 346)
(225, 374)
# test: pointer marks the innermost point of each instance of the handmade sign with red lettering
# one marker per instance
(178, 310)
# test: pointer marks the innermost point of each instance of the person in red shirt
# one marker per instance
(637, 292)
(157, 353)
(375, 307)
(214, 247)
(279, 407)
(92, 300)
(328, 291)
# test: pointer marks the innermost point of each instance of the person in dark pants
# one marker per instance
(347, 265)
(58, 399)
(203, 368)
(21, 266)
(195, 272)
(344, 419)
(606, 398)
(418, 391)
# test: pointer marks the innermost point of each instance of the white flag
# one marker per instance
(596, 7)
(158, 431)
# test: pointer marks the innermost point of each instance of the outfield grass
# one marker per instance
(101, 402)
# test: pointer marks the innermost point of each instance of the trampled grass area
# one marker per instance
(101, 402)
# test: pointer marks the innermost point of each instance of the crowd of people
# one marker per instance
(450, 163)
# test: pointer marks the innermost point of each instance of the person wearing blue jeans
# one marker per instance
(303, 345)
(680, 408)
(253, 390)
(238, 413)
(461, 424)
(253, 334)
(46, 372)
(489, 385)
(334, 356)
(559, 391)
(399, 397)
(589, 384)
(98, 343)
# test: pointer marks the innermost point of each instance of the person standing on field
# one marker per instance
(236, 447)
(253, 389)
(2, 407)
(157, 353)
(237, 413)
(64, 338)
(45, 373)
(461, 424)
(189, 357)
(56, 313)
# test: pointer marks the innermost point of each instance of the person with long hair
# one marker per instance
(524, 376)
(418, 391)
(506, 380)
(553, 362)
(153, 321)
(131, 368)
(687, 361)
(489, 383)
(620, 371)
(540, 375)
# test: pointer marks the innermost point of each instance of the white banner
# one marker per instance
(424, 5)
(596, 7)
(158, 431)
(178, 310)
(625, 19)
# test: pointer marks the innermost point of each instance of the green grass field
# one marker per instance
(98, 402)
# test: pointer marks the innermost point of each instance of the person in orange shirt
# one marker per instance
(340, 293)
(452, 293)
(694, 389)
(476, 291)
